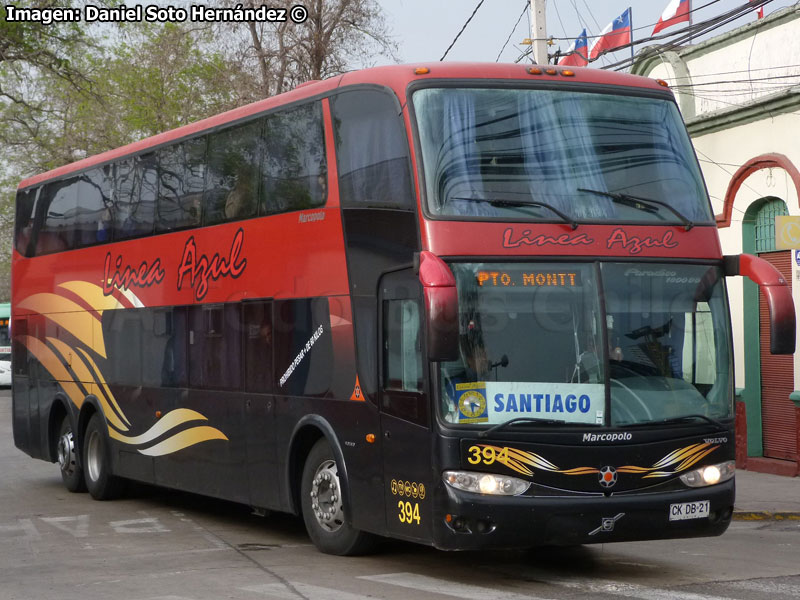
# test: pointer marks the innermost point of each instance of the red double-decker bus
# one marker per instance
(471, 306)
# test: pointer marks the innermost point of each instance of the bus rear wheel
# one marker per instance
(101, 483)
(67, 453)
(323, 507)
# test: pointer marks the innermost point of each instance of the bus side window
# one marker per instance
(294, 168)
(303, 347)
(215, 349)
(257, 321)
(60, 205)
(402, 362)
(371, 150)
(181, 170)
(164, 337)
(232, 184)
(93, 215)
(133, 210)
(23, 229)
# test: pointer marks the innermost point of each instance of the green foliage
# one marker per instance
(72, 90)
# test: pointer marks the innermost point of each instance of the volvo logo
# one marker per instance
(607, 524)
(608, 477)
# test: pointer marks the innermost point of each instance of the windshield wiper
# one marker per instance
(681, 419)
(634, 202)
(520, 204)
(534, 420)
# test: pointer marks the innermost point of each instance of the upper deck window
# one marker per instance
(294, 170)
(271, 164)
(372, 150)
(530, 154)
(26, 207)
(181, 171)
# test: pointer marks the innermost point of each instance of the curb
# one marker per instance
(765, 515)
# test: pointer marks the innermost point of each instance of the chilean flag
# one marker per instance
(616, 34)
(676, 12)
(578, 56)
(760, 11)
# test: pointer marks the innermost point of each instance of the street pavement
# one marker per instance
(760, 496)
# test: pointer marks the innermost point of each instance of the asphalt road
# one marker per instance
(159, 545)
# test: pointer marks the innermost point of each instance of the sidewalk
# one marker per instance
(760, 496)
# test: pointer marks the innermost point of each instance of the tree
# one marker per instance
(335, 33)
(71, 90)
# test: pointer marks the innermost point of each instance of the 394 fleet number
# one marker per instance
(486, 455)
(409, 512)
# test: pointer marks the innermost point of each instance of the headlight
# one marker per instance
(709, 475)
(485, 483)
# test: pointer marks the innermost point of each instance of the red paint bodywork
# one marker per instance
(289, 257)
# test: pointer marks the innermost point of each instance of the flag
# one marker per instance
(676, 12)
(579, 54)
(760, 11)
(616, 34)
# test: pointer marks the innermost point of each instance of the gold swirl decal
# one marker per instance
(78, 374)
(520, 461)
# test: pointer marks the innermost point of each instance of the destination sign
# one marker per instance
(493, 402)
(528, 278)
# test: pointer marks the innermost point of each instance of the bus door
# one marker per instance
(259, 382)
(405, 409)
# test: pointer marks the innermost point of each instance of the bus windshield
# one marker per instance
(537, 343)
(547, 155)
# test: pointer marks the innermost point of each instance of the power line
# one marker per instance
(522, 14)
(688, 33)
(716, 73)
(704, 83)
(591, 14)
(744, 183)
(558, 14)
(589, 37)
(462, 30)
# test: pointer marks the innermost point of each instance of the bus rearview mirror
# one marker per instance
(441, 307)
(778, 294)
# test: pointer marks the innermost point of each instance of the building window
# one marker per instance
(765, 224)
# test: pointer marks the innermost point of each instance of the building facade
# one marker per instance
(739, 94)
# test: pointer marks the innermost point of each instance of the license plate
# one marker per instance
(689, 510)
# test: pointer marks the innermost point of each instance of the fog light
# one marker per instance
(709, 475)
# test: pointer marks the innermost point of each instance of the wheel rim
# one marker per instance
(94, 456)
(66, 453)
(326, 497)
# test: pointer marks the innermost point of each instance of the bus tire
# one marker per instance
(100, 482)
(323, 507)
(67, 456)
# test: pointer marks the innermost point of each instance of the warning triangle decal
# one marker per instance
(357, 395)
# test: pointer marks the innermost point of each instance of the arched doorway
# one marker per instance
(776, 373)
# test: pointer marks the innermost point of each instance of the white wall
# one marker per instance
(727, 74)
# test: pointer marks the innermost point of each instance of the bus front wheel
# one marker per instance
(67, 453)
(101, 483)
(323, 506)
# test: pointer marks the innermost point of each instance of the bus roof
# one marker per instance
(396, 77)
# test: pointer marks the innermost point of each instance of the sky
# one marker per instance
(424, 29)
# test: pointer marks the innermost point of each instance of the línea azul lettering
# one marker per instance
(200, 269)
(145, 276)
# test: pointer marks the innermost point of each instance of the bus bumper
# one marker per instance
(465, 521)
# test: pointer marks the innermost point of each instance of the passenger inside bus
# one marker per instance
(241, 200)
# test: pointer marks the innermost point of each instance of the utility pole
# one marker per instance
(539, 32)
